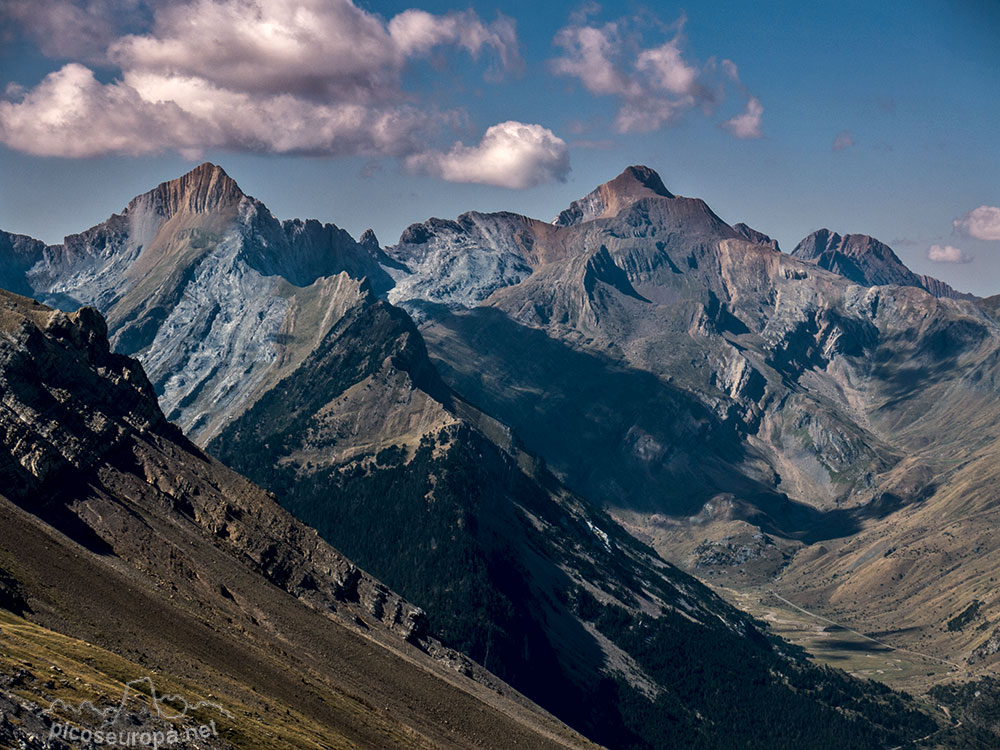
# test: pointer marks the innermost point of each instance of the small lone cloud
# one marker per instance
(947, 254)
(511, 154)
(844, 139)
(982, 223)
(747, 125)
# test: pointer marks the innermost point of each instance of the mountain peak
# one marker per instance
(636, 180)
(752, 235)
(857, 247)
(866, 261)
(369, 241)
(633, 184)
(204, 189)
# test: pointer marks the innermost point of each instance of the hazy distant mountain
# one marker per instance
(866, 261)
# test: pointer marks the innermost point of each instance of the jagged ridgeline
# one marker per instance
(274, 346)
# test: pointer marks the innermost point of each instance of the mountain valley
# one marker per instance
(515, 424)
(723, 395)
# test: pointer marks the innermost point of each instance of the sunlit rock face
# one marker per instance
(204, 286)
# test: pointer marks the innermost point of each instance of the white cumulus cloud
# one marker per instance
(947, 254)
(417, 32)
(268, 76)
(511, 154)
(314, 48)
(72, 114)
(589, 53)
(982, 223)
(667, 69)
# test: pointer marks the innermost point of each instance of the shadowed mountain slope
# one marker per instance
(524, 576)
(117, 531)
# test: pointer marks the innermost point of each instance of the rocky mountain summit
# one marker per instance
(204, 285)
(634, 184)
(866, 261)
(758, 238)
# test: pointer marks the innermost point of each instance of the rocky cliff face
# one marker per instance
(194, 269)
(19, 254)
(460, 262)
(49, 433)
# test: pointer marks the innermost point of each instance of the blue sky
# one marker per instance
(861, 117)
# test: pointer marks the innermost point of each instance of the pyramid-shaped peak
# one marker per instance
(369, 241)
(204, 189)
(816, 243)
(636, 180)
(607, 200)
(207, 171)
(206, 176)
